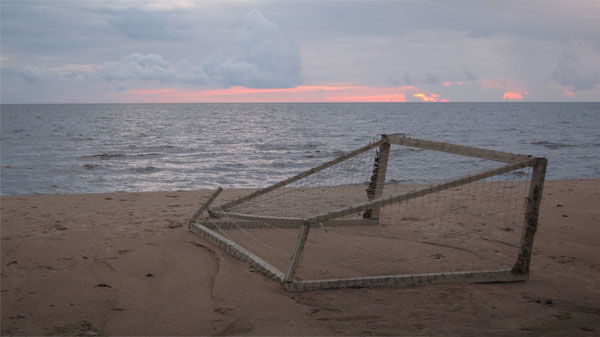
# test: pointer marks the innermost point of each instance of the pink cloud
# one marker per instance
(513, 89)
(324, 93)
(506, 84)
(429, 97)
(448, 83)
(514, 95)
(370, 98)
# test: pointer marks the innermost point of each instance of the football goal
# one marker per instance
(398, 211)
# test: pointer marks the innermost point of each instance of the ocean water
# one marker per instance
(89, 148)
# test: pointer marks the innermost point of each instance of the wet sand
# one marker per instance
(125, 264)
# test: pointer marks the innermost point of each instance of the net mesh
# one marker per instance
(474, 226)
(331, 188)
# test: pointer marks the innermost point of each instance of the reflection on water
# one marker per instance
(142, 147)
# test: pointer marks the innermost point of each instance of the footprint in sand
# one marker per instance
(102, 285)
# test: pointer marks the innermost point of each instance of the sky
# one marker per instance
(299, 51)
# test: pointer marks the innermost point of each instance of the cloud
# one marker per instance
(514, 95)
(430, 79)
(450, 83)
(267, 58)
(218, 44)
(32, 73)
(506, 84)
(150, 5)
(425, 97)
(470, 76)
(137, 24)
(405, 79)
(324, 93)
(191, 74)
(578, 67)
(151, 67)
(145, 23)
(537, 19)
(511, 89)
(156, 20)
(37, 27)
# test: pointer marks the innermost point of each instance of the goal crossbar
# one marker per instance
(462, 150)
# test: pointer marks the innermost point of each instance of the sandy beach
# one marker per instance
(126, 264)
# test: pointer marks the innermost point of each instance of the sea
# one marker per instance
(96, 148)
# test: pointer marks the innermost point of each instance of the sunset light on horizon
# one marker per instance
(511, 96)
(333, 93)
(297, 51)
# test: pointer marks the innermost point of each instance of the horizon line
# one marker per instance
(293, 102)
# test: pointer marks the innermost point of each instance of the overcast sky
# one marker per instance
(252, 51)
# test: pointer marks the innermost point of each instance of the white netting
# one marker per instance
(331, 188)
(475, 225)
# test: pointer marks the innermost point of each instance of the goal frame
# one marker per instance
(519, 272)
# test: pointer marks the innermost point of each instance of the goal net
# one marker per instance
(398, 211)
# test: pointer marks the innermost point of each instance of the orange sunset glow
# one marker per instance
(514, 95)
(429, 98)
(448, 83)
(325, 93)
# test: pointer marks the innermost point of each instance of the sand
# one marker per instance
(125, 264)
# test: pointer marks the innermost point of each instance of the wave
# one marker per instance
(151, 154)
(144, 169)
(103, 156)
(108, 156)
(552, 146)
(16, 167)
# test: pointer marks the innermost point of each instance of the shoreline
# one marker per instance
(210, 190)
(124, 263)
